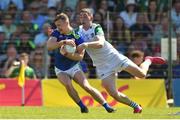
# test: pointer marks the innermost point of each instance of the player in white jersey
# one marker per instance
(66, 64)
(108, 60)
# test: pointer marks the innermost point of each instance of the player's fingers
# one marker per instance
(80, 48)
(71, 42)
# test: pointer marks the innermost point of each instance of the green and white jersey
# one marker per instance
(102, 56)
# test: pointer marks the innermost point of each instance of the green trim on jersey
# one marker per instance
(76, 36)
(98, 30)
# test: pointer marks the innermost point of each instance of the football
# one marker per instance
(70, 49)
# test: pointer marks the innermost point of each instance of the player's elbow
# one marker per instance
(49, 47)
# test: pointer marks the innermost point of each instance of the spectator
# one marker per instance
(37, 17)
(141, 27)
(9, 58)
(3, 43)
(69, 12)
(1, 16)
(161, 31)
(13, 11)
(121, 35)
(152, 15)
(142, 30)
(73, 3)
(75, 22)
(80, 5)
(51, 14)
(8, 26)
(16, 35)
(98, 18)
(162, 6)
(26, 19)
(142, 5)
(38, 63)
(41, 38)
(54, 3)
(139, 43)
(130, 14)
(14, 69)
(43, 5)
(175, 14)
(25, 44)
(103, 8)
(5, 3)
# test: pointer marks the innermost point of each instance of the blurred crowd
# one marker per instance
(134, 27)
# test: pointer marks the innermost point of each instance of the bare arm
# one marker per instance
(53, 44)
(77, 56)
(97, 43)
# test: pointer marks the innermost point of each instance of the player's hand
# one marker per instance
(63, 50)
(69, 42)
(81, 47)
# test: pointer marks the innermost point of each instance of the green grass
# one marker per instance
(74, 113)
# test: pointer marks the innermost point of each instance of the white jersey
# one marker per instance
(101, 57)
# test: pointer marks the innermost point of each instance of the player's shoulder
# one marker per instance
(79, 28)
(95, 25)
(75, 34)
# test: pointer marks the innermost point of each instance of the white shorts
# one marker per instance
(71, 72)
(117, 64)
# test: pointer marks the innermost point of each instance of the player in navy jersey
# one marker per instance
(66, 64)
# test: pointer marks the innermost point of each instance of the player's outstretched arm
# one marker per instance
(97, 42)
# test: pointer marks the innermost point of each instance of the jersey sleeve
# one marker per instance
(99, 30)
(78, 38)
(79, 41)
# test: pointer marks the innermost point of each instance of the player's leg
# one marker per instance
(80, 78)
(67, 83)
(109, 84)
(142, 70)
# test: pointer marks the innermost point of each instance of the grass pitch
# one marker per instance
(95, 113)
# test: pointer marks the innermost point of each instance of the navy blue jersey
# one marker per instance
(62, 62)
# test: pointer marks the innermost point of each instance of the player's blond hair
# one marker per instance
(61, 16)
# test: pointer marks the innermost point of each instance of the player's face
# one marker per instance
(85, 17)
(61, 25)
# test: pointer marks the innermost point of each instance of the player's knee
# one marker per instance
(112, 93)
(68, 85)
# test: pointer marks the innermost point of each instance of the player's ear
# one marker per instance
(91, 18)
